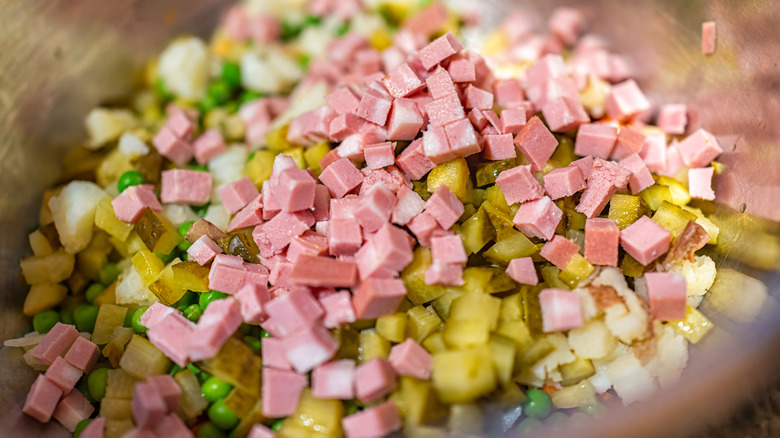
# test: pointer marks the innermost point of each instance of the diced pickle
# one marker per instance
(116, 348)
(109, 316)
(476, 279)
(476, 232)
(157, 233)
(296, 154)
(513, 246)
(575, 396)
(191, 276)
(574, 372)
(705, 222)
(673, 218)
(564, 153)
(314, 417)
(677, 190)
(259, 167)
(314, 154)
(422, 322)
(517, 331)
(500, 219)
(434, 343)
(455, 175)
(372, 346)
(236, 364)
(535, 352)
(487, 172)
(413, 277)
(694, 326)
(119, 384)
(254, 416)
(165, 287)
(462, 376)
(503, 352)
(277, 139)
(240, 402)
(625, 209)
(43, 297)
(142, 359)
(495, 196)
(392, 327)
(500, 282)
(106, 220)
(551, 277)
(240, 244)
(349, 342)
(417, 401)
(193, 403)
(421, 188)
(655, 195)
(631, 267)
(115, 409)
(443, 304)
(574, 219)
(577, 270)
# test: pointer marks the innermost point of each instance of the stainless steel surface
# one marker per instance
(60, 58)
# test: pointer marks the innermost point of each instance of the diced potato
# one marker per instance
(94, 257)
(737, 296)
(517, 331)
(476, 307)
(699, 275)
(120, 385)
(575, 396)
(39, 244)
(574, 372)
(630, 379)
(594, 96)
(109, 317)
(116, 409)
(392, 327)
(116, 348)
(236, 364)
(157, 232)
(455, 175)
(43, 297)
(106, 220)
(111, 169)
(314, 154)
(422, 322)
(53, 268)
(108, 296)
(184, 67)
(142, 359)
(314, 418)
(503, 352)
(513, 245)
(466, 333)
(417, 401)
(105, 125)
(673, 218)
(625, 209)
(593, 340)
(463, 376)
(241, 402)
(193, 403)
(372, 346)
(131, 290)
(73, 211)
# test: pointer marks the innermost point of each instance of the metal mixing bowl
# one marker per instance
(60, 58)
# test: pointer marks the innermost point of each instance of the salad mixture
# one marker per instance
(333, 219)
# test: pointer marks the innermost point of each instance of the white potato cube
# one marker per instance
(593, 340)
(73, 211)
(105, 125)
(184, 67)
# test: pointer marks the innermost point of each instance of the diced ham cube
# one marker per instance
(564, 114)
(413, 160)
(605, 179)
(95, 429)
(334, 380)
(699, 149)
(309, 127)
(238, 194)
(227, 274)
(344, 126)
(341, 177)
(338, 309)
(547, 67)
(344, 208)
(249, 216)
(666, 293)
(83, 354)
(625, 101)
(203, 250)
(522, 270)
(595, 139)
(640, 175)
(474, 97)
(601, 241)
(585, 164)
(321, 209)
(508, 93)
(438, 50)
(566, 24)
(170, 146)
(208, 145)
(374, 379)
(560, 310)
(538, 218)
(700, 183)
(444, 110)
(559, 251)
(72, 409)
(536, 142)
(281, 391)
(708, 37)
(404, 121)
(499, 147)
(295, 190)
(375, 207)
(54, 343)
(519, 185)
(377, 421)
(42, 399)
(168, 389)
(426, 22)
(323, 272)
(630, 140)
(461, 138)
(252, 298)
(344, 236)
(672, 118)
(408, 205)
(462, 70)
(512, 120)
(403, 81)
(148, 406)
(374, 107)
(155, 313)
(310, 347)
(645, 240)
(274, 353)
(448, 249)
(63, 374)
(445, 207)
(219, 321)
(130, 205)
(674, 161)
(310, 243)
(436, 145)
(293, 311)
(171, 335)
(440, 84)
(261, 431)
(445, 274)
(272, 237)
(378, 297)
(654, 152)
(564, 181)
(389, 249)
(172, 426)
(255, 274)
(343, 100)
(410, 359)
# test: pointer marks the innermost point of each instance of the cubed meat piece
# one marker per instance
(602, 237)
(203, 250)
(444, 274)
(462, 70)
(404, 121)
(413, 161)
(625, 101)
(148, 406)
(512, 120)
(323, 272)
(444, 206)
(388, 250)
(645, 240)
(308, 128)
(373, 380)
(666, 293)
(295, 190)
(95, 429)
(654, 153)
(310, 243)
(440, 84)
(641, 178)
(274, 354)
(548, 67)
(343, 100)
(42, 399)
(674, 161)
(673, 118)
(448, 249)
(54, 343)
(461, 138)
(564, 114)
(508, 93)
(63, 374)
(564, 181)
(403, 81)
(374, 107)
(338, 309)
(410, 359)
(334, 380)
(341, 177)
(208, 145)
(630, 140)
(294, 311)
(522, 270)
(499, 147)
(596, 140)
(559, 251)
(172, 426)
(83, 354)
(699, 149)
(171, 335)
(538, 218)
(566, 24)
(281, 391)
(377, 421)
(426, 22)
(344, 126)
(377, 297)
(261, 431)
(272, 237)
(155, 313)
(700, 183)
(408, 205)
(560, 310)
(474, 97)
(310, 347)
(444, 110)
(436, 145)
(168, 389)
(536, 142)
(344, 236)
(375, 207)
(438, 50)
(255, 274)
(72, 409)
(227, 274)
(708, 37)
(605, 179)
(238, 194)
(219, 321)
(172, 147)
(585, 164)
(130, 205)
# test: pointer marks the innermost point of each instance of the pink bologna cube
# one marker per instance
(261, 431)
(130, 205)
(413, 161)
(310, 347)
(645, 240)
(462, 138)
(54, 343)
(168, 389)
(343, 100)
(293, 311)
(440, 84)
(462, 70)
(170, 146)
(294, 190)
(499, 147)
(281, 391)
(444, 110)
(595, 139)
(699, 149)
(321, 209)
(238, 194)
(559, 251)
(374, 379)
(404, 121)
(155, 313)
(344, 236)
(208, 145)
(625, 101)
(377, 421)
(72, 409)
(445, 207)
(148, 406)
(536, 142)
(641, 178)
(700, 183)
(374, 107)
(378, 297)
(316, 271)
(512, 120)
(654, 152)
(708, 37)
(219, 321)
(341, 177)
(95, 428)
(444, 274)
(171, 335)
(227, 274)
(522, 270)
(674, 161)
(83, 354)
(448, 249)
(272, 237)
(379, 155)
(606, 178)
(387, 252)
(666, 293)
(334, 380)
(185, 186)
(338, 309)
(343, 126)
(630, 140)
(672, 118)
(538, 218)
(436, 145)
(564, 181)
(42, 399)
(566, 24)
(172, 426)
(408, 205)
(438, 50)
(560, 310)
(602, 237)
(310, 243)
(403, 81)
(508, 92)
(474, 97)
(63, 374)
(410, 359)
(203, 250)
(274, 354)
(564, 114)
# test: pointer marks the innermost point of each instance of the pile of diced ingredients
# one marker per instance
(333, 219)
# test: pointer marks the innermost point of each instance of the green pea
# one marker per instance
(93, 291)
(201, 210)
(84, 390)
(219, 92)
(249, 95)
(215, 389)
(311, 20)
(231, 74)
(193, 312)
(255, 344)
(265, 334)
(199, 168)
(183, 246)
(85, 316)
(208, 297)
(162, 90)
(129, 179)
(97, 382)
(528, 425)
(188, 298)
(277, 425)
(136, 320)
(185, 227)
(222, 416)
(44, 321)
(128, 322)
(209, 430)
(537, 404)
(175, 369)
(81, 426)
(304, 61)
(109, 273)
(166, 258)
(207, 104)
(352, 408)
(556, 421)
(203, 376)
(66, 316)
(343, 28)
